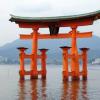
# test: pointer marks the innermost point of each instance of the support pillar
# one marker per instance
(21, 58)
(84, 59)
(43, 62)
(65, 62)
(34, 72)
(74, 53)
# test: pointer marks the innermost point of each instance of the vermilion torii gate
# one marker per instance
(54, 23)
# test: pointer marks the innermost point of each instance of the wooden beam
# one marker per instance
(84, 35)
(27, 72)
(28, 56)
(39, 72)
(46, 36)
(25, 36)
(59, 36)
(39, 56)
(71, 56)
(63, 23)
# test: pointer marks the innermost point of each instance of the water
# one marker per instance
(53, 88)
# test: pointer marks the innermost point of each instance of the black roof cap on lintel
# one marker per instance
(95, 15)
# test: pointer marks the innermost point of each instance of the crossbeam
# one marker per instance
(84, 35)
(59, 36)
(24, 36)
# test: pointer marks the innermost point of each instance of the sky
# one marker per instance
(40, 8)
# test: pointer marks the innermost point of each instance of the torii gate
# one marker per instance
(54, 23)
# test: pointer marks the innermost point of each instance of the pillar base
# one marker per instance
(43, 74)
(65, 75)
(22, 78)
(65, 78)
(34, 77)
(75, 78)
(84, 77)
(34, 74)
(43, 77)
(21, 73)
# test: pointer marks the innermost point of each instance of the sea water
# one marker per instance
(53, 88)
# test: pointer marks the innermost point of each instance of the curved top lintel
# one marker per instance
(95, 15)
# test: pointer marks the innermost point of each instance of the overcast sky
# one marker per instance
(10, 31)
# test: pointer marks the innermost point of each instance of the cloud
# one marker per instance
(55, 7)
(41, 8)
(32, 10)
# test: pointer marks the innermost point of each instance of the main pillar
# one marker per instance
(74, 53)
(34, 72)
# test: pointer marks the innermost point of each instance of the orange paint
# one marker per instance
(34, 72)
(43, 62)
(74, 56)
(84, 59)
(65, 71)
(21, 59)
(64, 23)
(74, 52)
(59, 36)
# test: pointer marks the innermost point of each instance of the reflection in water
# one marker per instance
(32, 90)
(22, 90)
(84, 90)
(76, 90)
(37, 90)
